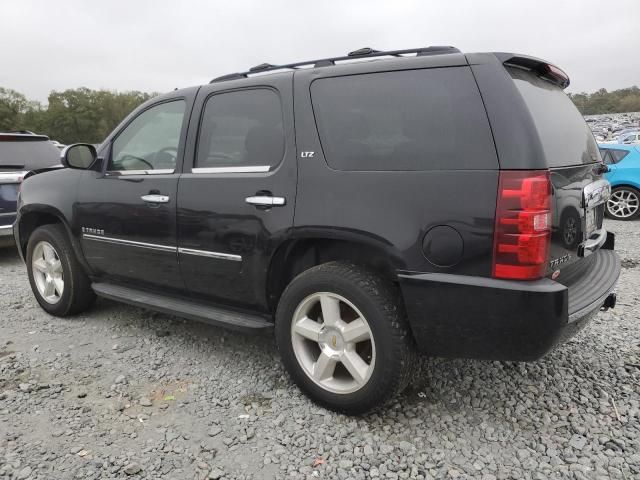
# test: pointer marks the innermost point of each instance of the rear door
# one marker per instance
(237, 194)
(571, 152)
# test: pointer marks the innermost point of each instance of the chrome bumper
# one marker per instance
(6, 231)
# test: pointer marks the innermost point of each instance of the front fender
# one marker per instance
(49, 198)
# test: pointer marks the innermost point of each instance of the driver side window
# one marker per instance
(150, 141)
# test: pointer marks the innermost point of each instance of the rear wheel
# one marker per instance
(343, 337)
(58, 282)
(624, 203)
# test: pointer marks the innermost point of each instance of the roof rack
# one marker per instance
(365, 52)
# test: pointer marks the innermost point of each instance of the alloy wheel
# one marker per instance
(333, 342)
(623, 203)
(47, 272)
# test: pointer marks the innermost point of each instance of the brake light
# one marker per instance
(523, 224)
(557, 75)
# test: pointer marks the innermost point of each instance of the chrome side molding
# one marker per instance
(209, 254)
(129, 243)
(238, 169)
(163, 248)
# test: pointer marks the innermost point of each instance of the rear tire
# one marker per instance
(624, 203)
(355, 350)
(57, 280)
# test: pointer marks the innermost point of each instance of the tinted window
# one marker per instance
(606, 156)
(618, 154)
(242, 128)
(406, 120)
(24, 153)
(565, 136)
(150, 141)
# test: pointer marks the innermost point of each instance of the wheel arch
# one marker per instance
(38, 215)
(299, 253)
(626, 183)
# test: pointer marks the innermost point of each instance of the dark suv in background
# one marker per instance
(20, 153)
(367, 207)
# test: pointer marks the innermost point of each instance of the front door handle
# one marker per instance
(265, 201)
(153, 198)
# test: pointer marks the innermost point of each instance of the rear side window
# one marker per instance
(564, 134)
(619, 154)
(27, 152)
(241, 128)
(429, 119)
(606, 156)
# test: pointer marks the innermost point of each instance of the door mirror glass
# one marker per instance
(80, 156)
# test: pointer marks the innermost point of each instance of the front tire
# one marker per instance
(624, 203)
(343, 337)
(57, 280)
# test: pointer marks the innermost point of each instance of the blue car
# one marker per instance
(624, 175)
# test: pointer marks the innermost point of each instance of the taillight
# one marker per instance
(523, 224)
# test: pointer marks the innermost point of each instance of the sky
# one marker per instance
(158, 45)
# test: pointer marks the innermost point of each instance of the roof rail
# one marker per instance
(365, 52)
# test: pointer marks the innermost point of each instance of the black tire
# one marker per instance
(380, 303)
(77, 295)
(570, 229)
(633, 192)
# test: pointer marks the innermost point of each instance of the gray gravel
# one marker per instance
(121, 392)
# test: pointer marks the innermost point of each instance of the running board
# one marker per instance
(184, 308)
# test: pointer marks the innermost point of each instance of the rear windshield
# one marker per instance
(20, 153)
(429, 119)
(566, 137)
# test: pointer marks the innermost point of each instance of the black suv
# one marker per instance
(367, 208)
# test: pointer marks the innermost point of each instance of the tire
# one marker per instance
(570, 229)
(359, 293)
(624, 203)
(76, 295)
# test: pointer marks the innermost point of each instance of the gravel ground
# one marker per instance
(122, 392)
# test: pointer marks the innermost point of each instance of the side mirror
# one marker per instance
(80, 155)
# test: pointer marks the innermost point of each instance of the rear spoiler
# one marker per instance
(22, 137)
(544, 69)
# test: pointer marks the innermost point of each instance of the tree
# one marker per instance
(74, 115)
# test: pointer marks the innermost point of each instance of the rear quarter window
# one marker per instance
(427, 119)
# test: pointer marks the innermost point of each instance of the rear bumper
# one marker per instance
(476, 317)
(6, 235)
(6, 231)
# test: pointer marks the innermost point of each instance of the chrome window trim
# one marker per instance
(209, 254)
(129, 243)
(239, 169)
(160, 171)
(12, 177)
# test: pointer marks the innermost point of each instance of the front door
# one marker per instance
(236, 196)
(127, 214)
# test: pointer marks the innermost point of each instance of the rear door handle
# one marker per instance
(153, 198)
(265, 201)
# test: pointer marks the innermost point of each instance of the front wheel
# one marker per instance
(58, 282)
(624, 203)
(343, 337)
